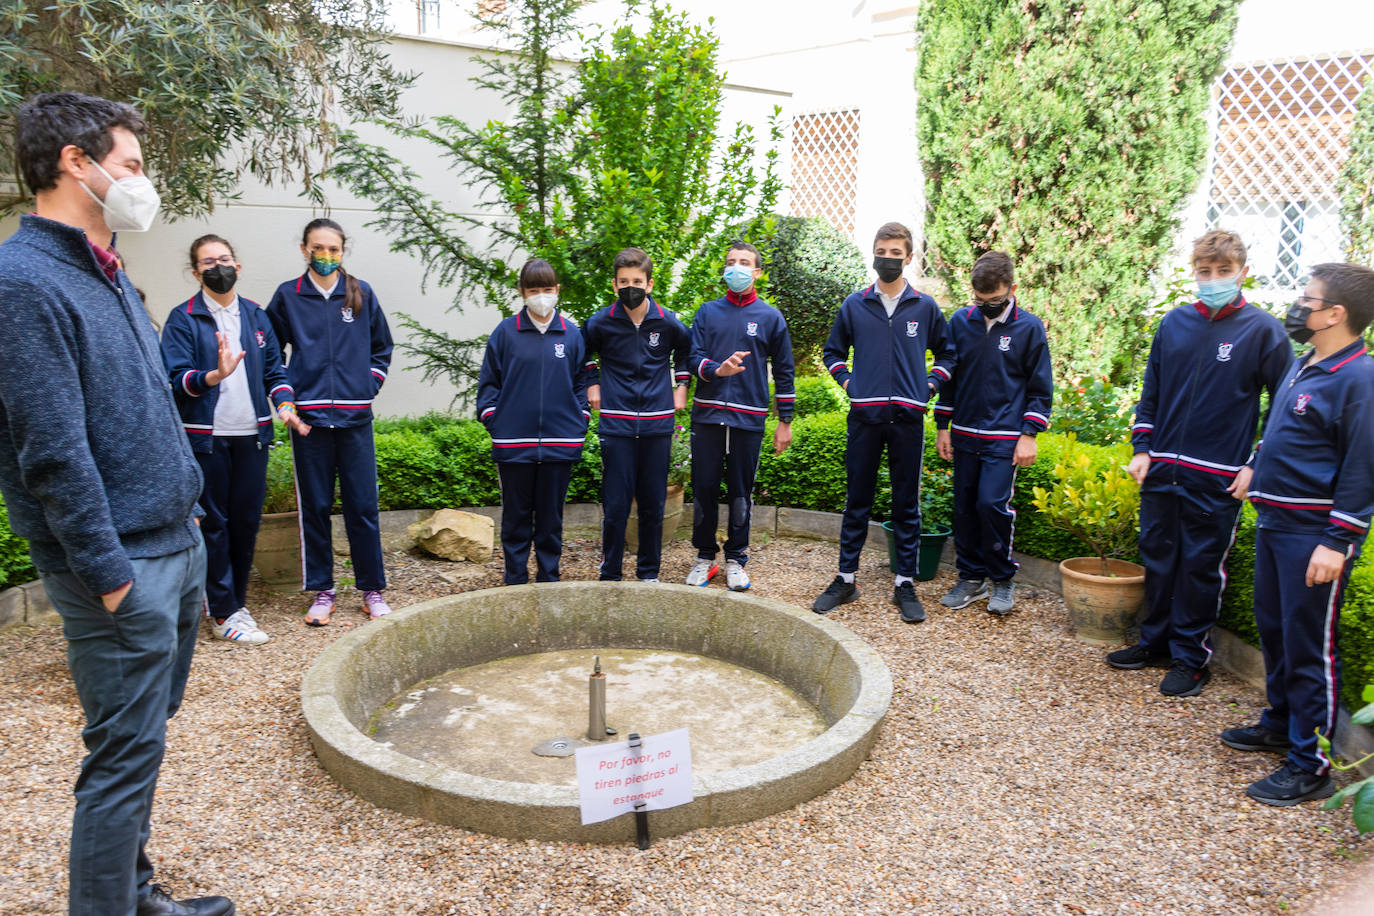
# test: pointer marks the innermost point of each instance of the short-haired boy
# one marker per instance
(1194, 428)
(1313, 487)
(890, 326)
(988, 417)
(733, 339)
(638, 384)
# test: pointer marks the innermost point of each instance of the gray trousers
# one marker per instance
(130, 671)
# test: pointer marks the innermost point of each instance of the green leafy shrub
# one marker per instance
(1093, 499)
(1094, 411)
(15, 566)
(281, 480)
(819, 394)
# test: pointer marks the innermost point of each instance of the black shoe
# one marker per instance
(160, 903)
(836, 593)
(904, 596)
(1256, 738)
(1136, 657)
(1289, 785)
(1183, 680)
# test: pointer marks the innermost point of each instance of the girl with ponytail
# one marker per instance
(340, 352)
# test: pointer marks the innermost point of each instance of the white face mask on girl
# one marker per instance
(130, 203)
(541, 305)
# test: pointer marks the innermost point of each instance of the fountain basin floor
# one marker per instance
(830, 668)
(479, 718)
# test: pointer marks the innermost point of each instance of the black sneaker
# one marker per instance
(1183, 680)
(1136, 657)
(836, 593)
(1256, 738)
(904, 596)
(160, 903)
(1289, 786)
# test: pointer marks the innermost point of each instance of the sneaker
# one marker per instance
(1136, 657)
(836, 593)
(649, 581)
(904, 596)
(1183, 680)
(964, 593)
(239, 627)
(160, 903)
(735, 577)
(318, 615)
(1256, 738)
(248, 618)
(1289, 785)
(376, 605)
(704, 571)
(1002, 601)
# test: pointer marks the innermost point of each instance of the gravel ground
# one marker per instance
(1016, 773)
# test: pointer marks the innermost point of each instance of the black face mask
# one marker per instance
(1295, 322)
(220, 278)
(991, 310)
(632, 297)
(889, 269)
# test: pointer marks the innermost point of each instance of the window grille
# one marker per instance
(825, 167)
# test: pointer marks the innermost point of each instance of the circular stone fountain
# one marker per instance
(823, 663)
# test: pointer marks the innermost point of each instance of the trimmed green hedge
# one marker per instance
(15, 566)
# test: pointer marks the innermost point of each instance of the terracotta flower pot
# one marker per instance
(672, 515)
(1102, 608)
(277, 554)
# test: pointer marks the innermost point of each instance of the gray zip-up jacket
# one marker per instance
(94, 466)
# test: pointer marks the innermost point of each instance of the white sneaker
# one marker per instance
(240, 628)
(703, 572)
(248, 618)
(649, 581)
(735, 577)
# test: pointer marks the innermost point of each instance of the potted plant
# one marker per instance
(1098, 503)
(679, 472)
(937, 511)
(277, 554)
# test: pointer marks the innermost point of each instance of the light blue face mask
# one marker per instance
(739, 277)
(1216, 293)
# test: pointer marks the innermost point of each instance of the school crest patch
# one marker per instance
(752, 329)
(912, 327)
(1004, 343)
(262, 338)
(1301, 406)
(1224, 353)
(558, 350)
(348, 315)
(653, 338)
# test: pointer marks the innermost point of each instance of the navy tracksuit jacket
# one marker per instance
(532, 397)
(888, 390)
(1003, 390)
(234, 467)
(1197, 418)
(728, 413)
(637, 371)
(1313, 486)
(339, 359)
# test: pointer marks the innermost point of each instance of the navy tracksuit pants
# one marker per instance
(723, 451)
(350, 455)
(1297, 627)
(1185, 536)
(863, 454)
(633, 468)
(532, 498)
(235, 485)
(984, 521)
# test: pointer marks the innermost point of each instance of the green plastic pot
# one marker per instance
(928, 557)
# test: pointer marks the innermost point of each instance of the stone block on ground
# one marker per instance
(11, 607)
(453, 534)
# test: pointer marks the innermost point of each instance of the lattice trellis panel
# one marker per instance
(1282, 133)
(825, 167)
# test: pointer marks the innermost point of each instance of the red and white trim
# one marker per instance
(1197, 464)
(942, 372)
(730, 405)
(341, 405)
(186, 383)
(200, 429)
(633, 415)
(1038, 418)
(536, 442)
(1348, 521)
(1003, 434)
(1291, 502)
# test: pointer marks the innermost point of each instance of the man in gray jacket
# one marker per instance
(97, 475)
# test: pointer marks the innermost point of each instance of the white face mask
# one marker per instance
(541, 305)
(130, 204)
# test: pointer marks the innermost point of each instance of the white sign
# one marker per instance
(612, 778)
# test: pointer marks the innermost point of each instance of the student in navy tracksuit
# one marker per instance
(532, 396)
(1313, 486)
(340, 352)
(733, 338)
(890, 326)
(996, 404)
(638, 386)
(1194, 427)
(225, 367)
